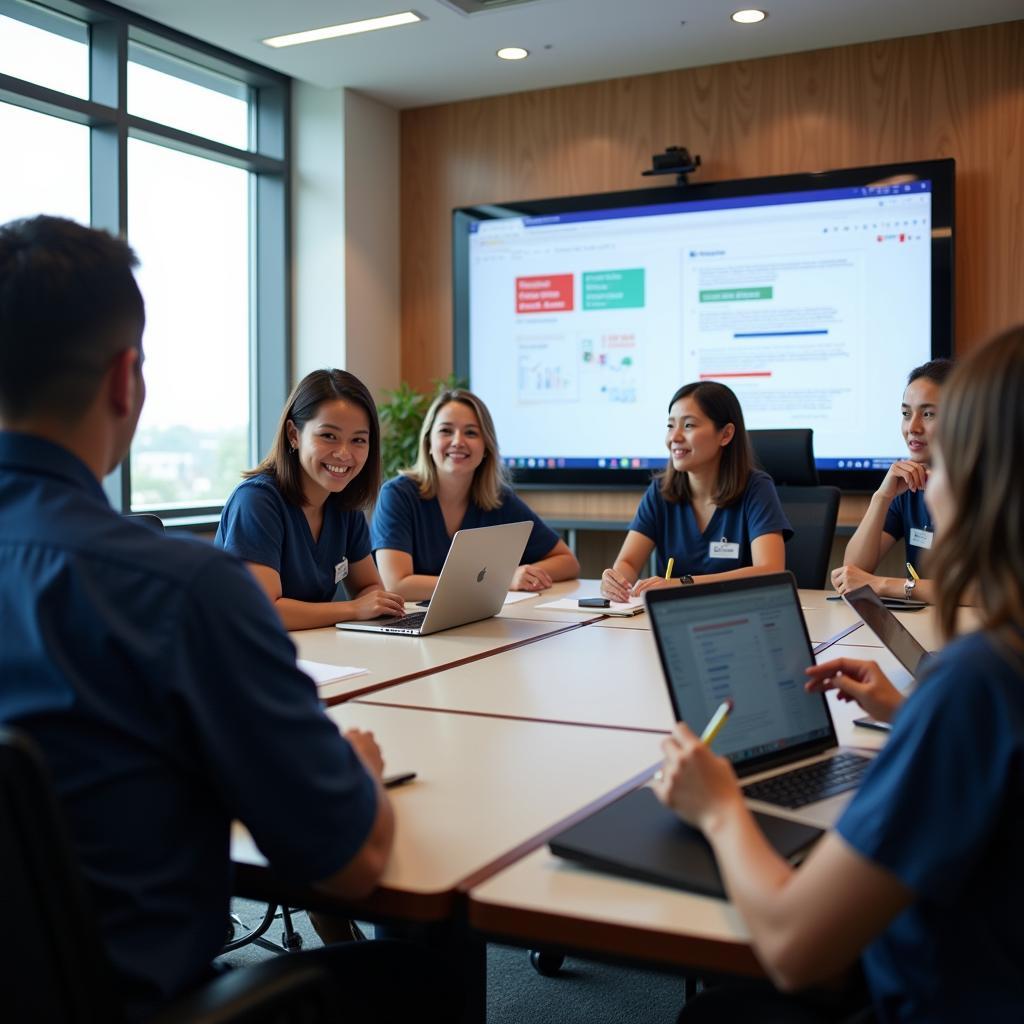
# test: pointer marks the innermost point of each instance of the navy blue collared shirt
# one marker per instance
(405, 521)
(940, 808)
(908, 517)
(163, 691)
(259, 526)
(725, 542)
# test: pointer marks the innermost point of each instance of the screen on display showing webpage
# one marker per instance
(812, 307)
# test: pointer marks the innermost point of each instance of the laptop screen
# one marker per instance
(747, 641)
(866, 603)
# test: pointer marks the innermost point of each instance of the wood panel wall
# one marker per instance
(958, 94)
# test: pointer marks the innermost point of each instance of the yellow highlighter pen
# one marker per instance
(668, 568)
(913, 573)
(718, 719)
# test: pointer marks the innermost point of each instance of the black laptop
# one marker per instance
(746, 639)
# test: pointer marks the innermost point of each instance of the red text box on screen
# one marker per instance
(544, 294)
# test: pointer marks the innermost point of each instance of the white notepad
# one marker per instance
(322, 674)
(633, 606)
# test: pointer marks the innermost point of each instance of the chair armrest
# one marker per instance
(278, 991)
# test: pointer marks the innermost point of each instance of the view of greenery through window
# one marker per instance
(170, 462)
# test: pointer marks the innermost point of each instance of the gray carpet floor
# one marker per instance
(584, 992)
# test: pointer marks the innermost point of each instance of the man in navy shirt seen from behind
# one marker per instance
(151, 670)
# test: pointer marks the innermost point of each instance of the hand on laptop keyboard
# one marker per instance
(375, 604)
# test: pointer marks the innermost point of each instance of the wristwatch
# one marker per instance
(908, 589)
(686, 580)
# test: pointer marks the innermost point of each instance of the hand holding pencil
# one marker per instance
(693, 781)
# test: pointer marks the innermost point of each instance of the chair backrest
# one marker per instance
(51, 962)
(812, 512)
(148, 519)
(787, 456)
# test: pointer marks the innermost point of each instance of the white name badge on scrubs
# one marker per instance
(723, 549)
(921, 538)
(340, 571)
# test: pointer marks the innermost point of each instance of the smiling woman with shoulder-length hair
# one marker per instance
(458, 482)
(710, 515)
(297, 518)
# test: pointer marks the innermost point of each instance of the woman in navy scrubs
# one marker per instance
(920, 880)
(297, 519)
(897, 510)
(458, 483)
(710, 511)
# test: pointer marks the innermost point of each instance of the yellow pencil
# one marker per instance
(669, 568)
(718, 719)
(913, 573)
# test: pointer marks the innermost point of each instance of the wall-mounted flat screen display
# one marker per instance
(811, 295)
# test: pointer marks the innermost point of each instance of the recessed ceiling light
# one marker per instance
(349, 28)
(513, 53)
(750, 17)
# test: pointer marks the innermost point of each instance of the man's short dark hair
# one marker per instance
(935, 370)
(68, 304)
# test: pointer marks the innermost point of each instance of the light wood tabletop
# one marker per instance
(390, 657)
(587, 676)
(546, 901)
(487, 791)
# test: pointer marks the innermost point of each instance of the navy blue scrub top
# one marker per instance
(259, 526)
(907, 513)
(940, 809)
(673, 528)
(403, 521)
(163, 691)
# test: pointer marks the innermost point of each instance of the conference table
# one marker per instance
(518, 726)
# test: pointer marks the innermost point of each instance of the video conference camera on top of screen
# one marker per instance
(675, 160)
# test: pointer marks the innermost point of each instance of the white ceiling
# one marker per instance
(450, 56)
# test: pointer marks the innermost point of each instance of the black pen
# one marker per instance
(390, 781)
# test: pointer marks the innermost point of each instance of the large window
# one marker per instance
(181, 149)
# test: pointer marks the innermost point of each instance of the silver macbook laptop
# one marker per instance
(472, 586)
(746, 639)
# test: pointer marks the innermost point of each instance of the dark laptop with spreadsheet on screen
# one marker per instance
(746, 639)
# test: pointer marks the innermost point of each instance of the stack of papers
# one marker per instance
(633, 606)
(322, 674)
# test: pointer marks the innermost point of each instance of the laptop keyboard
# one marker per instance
(811, 783)
(412, 621)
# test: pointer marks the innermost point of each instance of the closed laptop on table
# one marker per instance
(639, 838)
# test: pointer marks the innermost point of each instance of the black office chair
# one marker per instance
(52, 966)
(812, 509)
(787, 456)
(147, 519)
